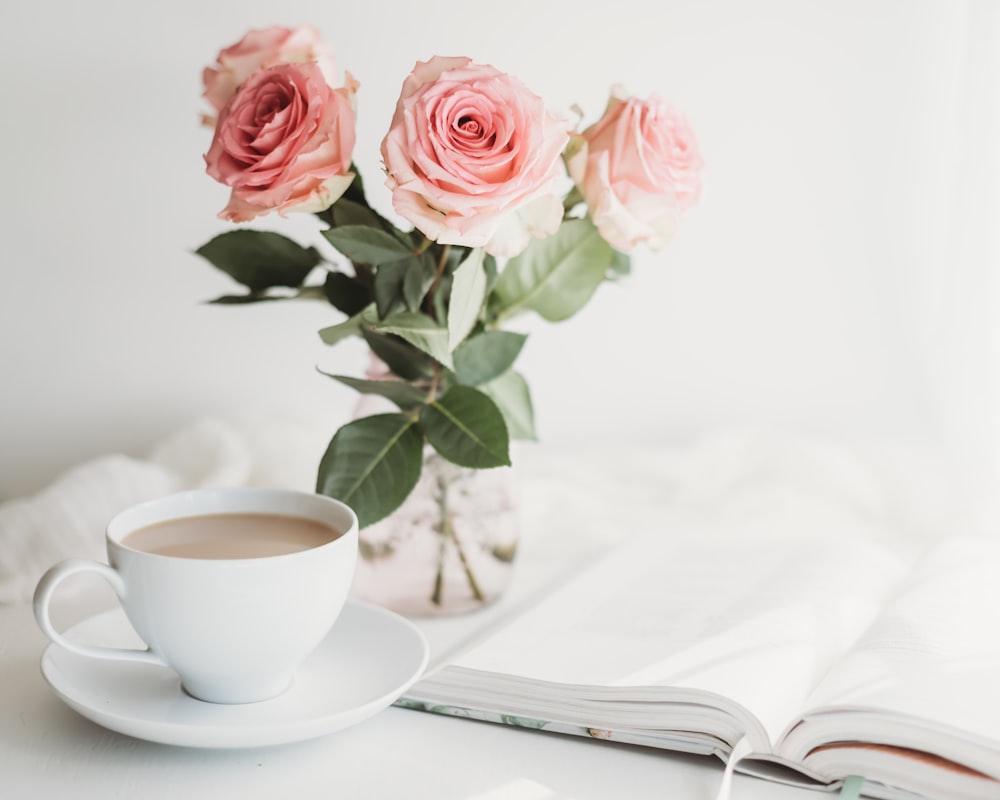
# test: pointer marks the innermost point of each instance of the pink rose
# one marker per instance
(260, 49)
(637, 168)
(472, 156)
(283, 142)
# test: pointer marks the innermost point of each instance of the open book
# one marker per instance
(809, 661)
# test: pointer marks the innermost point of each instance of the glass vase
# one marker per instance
(448, 549)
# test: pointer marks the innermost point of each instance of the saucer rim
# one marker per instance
(240, 733)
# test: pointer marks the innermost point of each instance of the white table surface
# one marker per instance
(49, 751)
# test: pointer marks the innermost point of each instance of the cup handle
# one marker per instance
(43, 596)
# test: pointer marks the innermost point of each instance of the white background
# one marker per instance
(836, 281)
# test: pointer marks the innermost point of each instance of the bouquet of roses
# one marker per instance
(512, 211)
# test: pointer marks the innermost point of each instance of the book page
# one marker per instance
(933, 655)
(757, 622)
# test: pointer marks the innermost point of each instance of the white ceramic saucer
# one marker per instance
(370, 657)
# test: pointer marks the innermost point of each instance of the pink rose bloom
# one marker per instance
(472, 157)
(260, 49)
(638, 169)
(283, 142)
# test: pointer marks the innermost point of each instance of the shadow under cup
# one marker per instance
(233, 623)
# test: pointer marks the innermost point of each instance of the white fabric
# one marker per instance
(68, 517)
(579, 498)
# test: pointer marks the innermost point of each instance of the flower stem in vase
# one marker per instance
(448, 532)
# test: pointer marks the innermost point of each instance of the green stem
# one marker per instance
(572, 200)
(442, 263)
(448, 532)
(466, 566)
(435, 383)
(439, 577)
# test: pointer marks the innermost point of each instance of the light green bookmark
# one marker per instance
(851, 790)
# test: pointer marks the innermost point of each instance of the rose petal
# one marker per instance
(468, 146)
(637, 168)
(284, 142)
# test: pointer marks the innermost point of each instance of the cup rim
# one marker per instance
(228, 500)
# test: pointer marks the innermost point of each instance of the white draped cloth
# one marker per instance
(570, 497)
(67, 518)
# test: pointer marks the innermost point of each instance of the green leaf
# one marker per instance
(405, 360)
(366, 245)
(403, 394)
(356, 191)
(510, 393)
(349, 327)
(468, 291)
(345, 293)
(490, 265)
(420, 273)
(403, 283)
(246, 299)
(372, 464)
(487, 355)
(419, 330)
(554, 276)
(260, 259)
(467, 428)
(621, 265)
(349, 212)
(389, 288)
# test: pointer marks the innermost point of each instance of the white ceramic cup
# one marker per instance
(235, 630)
